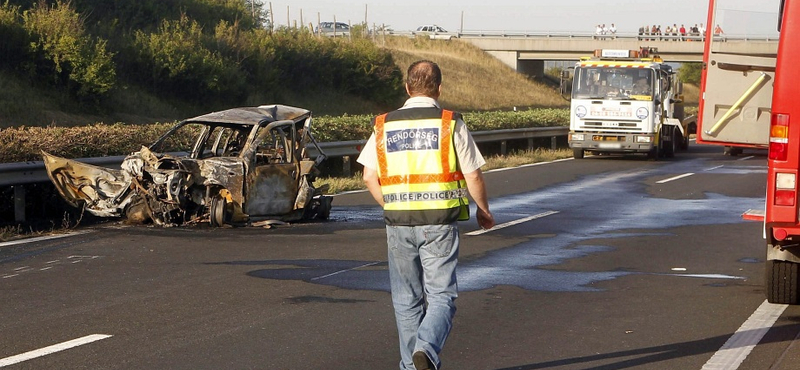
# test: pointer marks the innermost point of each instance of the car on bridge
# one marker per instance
(434, 32)
(333, 29)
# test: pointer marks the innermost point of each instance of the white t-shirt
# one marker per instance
(469, 157)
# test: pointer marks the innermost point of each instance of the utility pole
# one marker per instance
(271, 17)
(462, 22)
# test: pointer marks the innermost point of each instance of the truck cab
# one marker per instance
(626, 101)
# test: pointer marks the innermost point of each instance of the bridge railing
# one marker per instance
(591, 35)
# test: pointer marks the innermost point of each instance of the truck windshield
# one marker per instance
(613, 83)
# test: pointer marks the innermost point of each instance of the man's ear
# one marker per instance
(408, 91)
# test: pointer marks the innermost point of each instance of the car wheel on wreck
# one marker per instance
(219, 211)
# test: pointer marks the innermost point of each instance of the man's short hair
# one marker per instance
(424, 78)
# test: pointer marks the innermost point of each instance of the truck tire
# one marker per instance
(732, 151)
(684, 141)
(782, 282)
(670, 147)
(654, 153)
(577, 153)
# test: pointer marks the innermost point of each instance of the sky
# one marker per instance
(740, 17)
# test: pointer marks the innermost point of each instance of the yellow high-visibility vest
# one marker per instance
(418, 167)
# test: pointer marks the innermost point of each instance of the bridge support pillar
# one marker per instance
(531, 68)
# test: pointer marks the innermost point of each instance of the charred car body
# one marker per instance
(236, 166)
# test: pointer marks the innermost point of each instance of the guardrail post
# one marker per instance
(503, 146)
(530, 144)
(553, 143)
(346, 166)
(19, 203)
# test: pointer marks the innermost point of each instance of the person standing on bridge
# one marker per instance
(419, 164)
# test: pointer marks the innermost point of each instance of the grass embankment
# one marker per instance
(472, 80)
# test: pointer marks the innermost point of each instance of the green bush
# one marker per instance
(690, 73)
(182, 64)
(14, 48)
(66, 52)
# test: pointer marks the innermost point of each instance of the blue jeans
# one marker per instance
(422, 273)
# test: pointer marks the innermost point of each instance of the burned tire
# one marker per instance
(324, 211)
(219, 211)
(577, 153)
(782, 282)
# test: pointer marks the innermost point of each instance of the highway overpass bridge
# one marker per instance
(527, 53)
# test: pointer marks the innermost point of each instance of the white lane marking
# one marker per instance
(41, 238)
(709, 276)
(512, 223)
(10, 276)
(739, 345)
(714, 168)
(745, 158)
(529, 165)
(346, 270)
(675, 178)
(52, 349)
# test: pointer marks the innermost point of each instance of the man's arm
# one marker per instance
(477, 189)
(370, 178)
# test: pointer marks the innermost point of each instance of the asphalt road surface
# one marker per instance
(601, 263)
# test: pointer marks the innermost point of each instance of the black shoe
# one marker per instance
(421, 361)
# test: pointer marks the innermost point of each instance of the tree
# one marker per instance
(691, 72)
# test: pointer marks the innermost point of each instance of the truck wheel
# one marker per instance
(219, 212)
(577, 153)
(654, 153)
(782, 282)
(732, 151)
(670, 147)
(684, 142)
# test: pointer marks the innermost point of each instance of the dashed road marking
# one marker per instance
(42, 238)
(675, 178)
(512, 223)
(52, 349)
(345, 270)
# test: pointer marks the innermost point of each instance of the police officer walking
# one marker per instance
(420, 163)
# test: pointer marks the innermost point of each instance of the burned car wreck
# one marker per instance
(238, 166)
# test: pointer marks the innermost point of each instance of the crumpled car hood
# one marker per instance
(107, 192)
(103, 191)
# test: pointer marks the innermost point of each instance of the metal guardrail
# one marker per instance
(23, 173)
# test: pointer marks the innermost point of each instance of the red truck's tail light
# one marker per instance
(785, 189)
(779, 137)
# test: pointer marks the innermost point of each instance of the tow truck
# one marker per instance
(626, 102)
